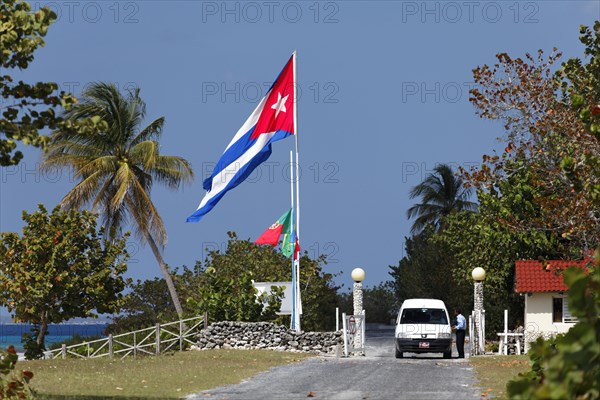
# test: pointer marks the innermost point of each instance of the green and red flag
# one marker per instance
(289, 241)
(282, 226)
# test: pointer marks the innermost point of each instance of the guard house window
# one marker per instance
(557, 309)
(560, 311)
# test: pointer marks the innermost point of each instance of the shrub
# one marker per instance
(13, 385)
(33, 350)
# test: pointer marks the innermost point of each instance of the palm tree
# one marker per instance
(441, 194)
(118, 166)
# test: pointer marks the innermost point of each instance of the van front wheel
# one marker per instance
(447, 354)
(399, 354)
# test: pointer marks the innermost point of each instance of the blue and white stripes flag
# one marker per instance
(274, 119)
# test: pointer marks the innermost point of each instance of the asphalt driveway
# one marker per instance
(377, 375)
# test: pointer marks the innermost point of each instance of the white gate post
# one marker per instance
(157, 339)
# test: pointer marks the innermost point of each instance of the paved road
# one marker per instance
(378, 375)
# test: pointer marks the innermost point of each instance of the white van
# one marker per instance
(423, 326)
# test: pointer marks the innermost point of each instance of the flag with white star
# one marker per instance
(273, 119)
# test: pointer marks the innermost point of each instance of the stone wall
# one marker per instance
(265, 335)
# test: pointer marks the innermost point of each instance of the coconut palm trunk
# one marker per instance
(166, 274)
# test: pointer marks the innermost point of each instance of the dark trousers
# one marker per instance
(460, 342)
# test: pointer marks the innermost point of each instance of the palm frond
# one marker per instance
(83, 192)
(150, 132)
(441, 194)
(144, 154)
(172, 171)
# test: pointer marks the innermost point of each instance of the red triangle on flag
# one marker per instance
(279, 109)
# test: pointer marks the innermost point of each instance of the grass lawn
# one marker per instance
(494, 372)
(165, 377)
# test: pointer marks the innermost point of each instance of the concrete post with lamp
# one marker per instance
(478, 334)
(358, 276)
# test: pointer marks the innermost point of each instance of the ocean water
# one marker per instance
(10, 334)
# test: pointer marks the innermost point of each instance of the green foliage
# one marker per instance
(233, 298)
(13, 386)
(60, 268)
(148, 302)
(224, 287)
(580, 84)
(536, 179)
(568, 366)
(540, 198)
(441, 194)
(380, 303)
(27, 109)
(493, 238)
(429, 271)
(33, 350)
(483, 240)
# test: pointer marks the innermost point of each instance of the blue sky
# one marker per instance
(384, 97)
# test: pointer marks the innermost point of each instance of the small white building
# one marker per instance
(546, 305)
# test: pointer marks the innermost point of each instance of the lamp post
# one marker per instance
(478, 339)
(358, 276)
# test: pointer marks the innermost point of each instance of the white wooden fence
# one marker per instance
(149, 341)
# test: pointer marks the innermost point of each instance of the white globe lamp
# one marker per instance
(358, 275)
(478, 274)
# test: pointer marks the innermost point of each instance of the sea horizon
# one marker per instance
(11, 333)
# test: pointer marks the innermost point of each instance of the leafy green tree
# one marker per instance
(234, 298)
(60, 268)
(480, 240)
(427, 271)
(118, 167)
(531, 199)
(380, 302)
(230, 271)
(441, 193)
(568, 366)
(580, 83)
(545, 138)
(27, 109)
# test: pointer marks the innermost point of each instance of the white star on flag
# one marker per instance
(280, 104)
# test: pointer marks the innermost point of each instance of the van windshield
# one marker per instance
(423, 316)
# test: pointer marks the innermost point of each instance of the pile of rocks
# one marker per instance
(265, 335)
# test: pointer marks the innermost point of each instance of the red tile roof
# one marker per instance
(535, 276)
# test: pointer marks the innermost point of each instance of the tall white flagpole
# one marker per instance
(298, 297)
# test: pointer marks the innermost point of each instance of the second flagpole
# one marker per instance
(298, 304)
(294, 282)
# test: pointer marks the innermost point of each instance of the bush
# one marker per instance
(33, 350)
(13, 385)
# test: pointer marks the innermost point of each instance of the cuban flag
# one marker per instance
(274, 119)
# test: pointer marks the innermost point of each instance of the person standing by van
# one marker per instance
(460, 328)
